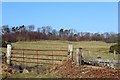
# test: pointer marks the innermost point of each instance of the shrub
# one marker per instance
(115, 47)
(4, 44)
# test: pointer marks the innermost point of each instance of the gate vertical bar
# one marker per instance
(37, 62)
(23, 57)
(11, 57)
(52, 57)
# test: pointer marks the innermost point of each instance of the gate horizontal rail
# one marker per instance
(32, 62)
(37, 58)
(36, 49)
(41, 54)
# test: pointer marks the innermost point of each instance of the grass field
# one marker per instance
(91, 50)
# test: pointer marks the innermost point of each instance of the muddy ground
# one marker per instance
(69, 70)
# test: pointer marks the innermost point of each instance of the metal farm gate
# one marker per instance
(27, 56)
(35, 58)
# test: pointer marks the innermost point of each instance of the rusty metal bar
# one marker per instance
(23, 57)
(44, 54)
(37, 62)
(17, 57)
(37, 58)
(16, 53)
(36, 49)
(11, 58)
(52, 57)
(30, 62)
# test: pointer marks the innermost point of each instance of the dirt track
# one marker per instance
(69, 70)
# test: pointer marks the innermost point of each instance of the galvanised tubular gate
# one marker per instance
(33, 54)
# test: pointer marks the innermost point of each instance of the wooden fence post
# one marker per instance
(114, 53)
(8, 55)
(78, 56)
(70, 51)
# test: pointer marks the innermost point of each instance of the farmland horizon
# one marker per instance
(64, 28)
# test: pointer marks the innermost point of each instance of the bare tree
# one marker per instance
(5, 29)
(31, 28)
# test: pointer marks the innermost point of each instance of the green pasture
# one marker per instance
(90, 49)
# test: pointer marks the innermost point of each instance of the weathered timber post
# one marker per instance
(8, 55)
(70, 51)
(114, 53)
(78, 56)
